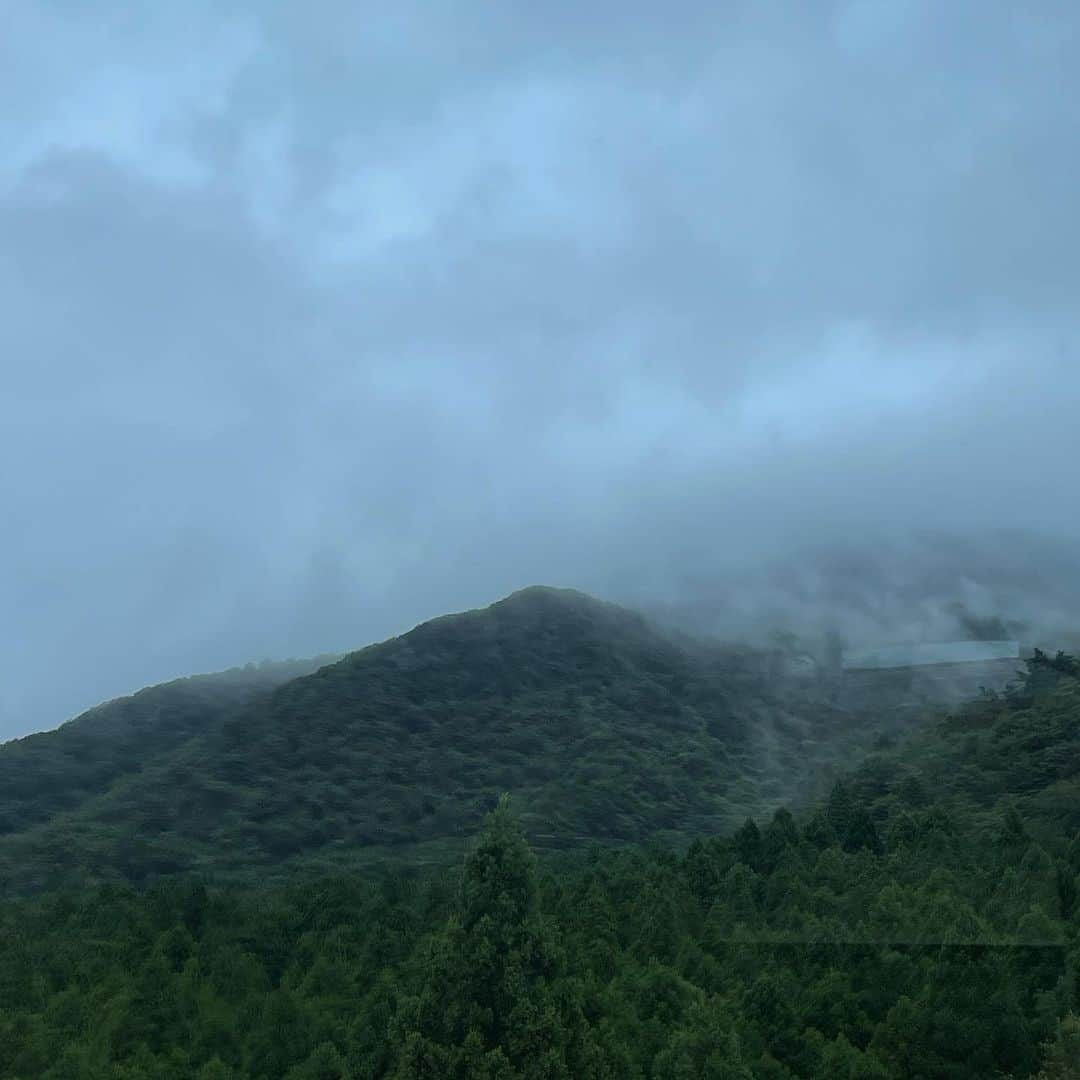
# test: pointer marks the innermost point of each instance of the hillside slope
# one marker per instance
(603, 727)
(913, 926)
(55, 771)
(1019, 748)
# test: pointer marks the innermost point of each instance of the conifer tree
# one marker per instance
(1062, 1060)
(488, 1007)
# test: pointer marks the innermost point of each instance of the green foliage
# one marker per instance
(705, 1046)
(603, 728)
(488, 1003)
(766, 953)
(59, 771)
(1062, 1052)
(918, 921)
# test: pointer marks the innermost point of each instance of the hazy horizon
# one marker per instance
(320, 323)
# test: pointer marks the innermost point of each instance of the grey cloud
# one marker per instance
(364, 313)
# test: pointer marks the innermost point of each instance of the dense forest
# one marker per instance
(919, 920)
(51, 772)
(605, 729)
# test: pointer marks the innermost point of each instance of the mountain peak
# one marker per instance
(549, 597)
(541, 593)
(562, 617)
(601, 724)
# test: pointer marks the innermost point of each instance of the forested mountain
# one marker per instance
(53, 771)
(921, 922)
(605, 729)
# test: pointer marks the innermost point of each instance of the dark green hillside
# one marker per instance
(603, 727)
(1021, 745)
(916, 926)
(44, 774)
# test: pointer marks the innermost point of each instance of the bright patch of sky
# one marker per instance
(131, 100)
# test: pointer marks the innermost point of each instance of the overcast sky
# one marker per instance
(319, 320)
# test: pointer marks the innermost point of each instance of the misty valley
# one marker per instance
(554, 838)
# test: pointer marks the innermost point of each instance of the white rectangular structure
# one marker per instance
(945, 652)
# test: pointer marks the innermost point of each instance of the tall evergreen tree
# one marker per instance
(489, 1006)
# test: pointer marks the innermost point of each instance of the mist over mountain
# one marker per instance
(749, 331)
(607, 728)
(388, 313)
(918, 917)
(44, 774)
(922, 587)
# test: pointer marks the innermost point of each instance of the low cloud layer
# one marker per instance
(316, 324)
